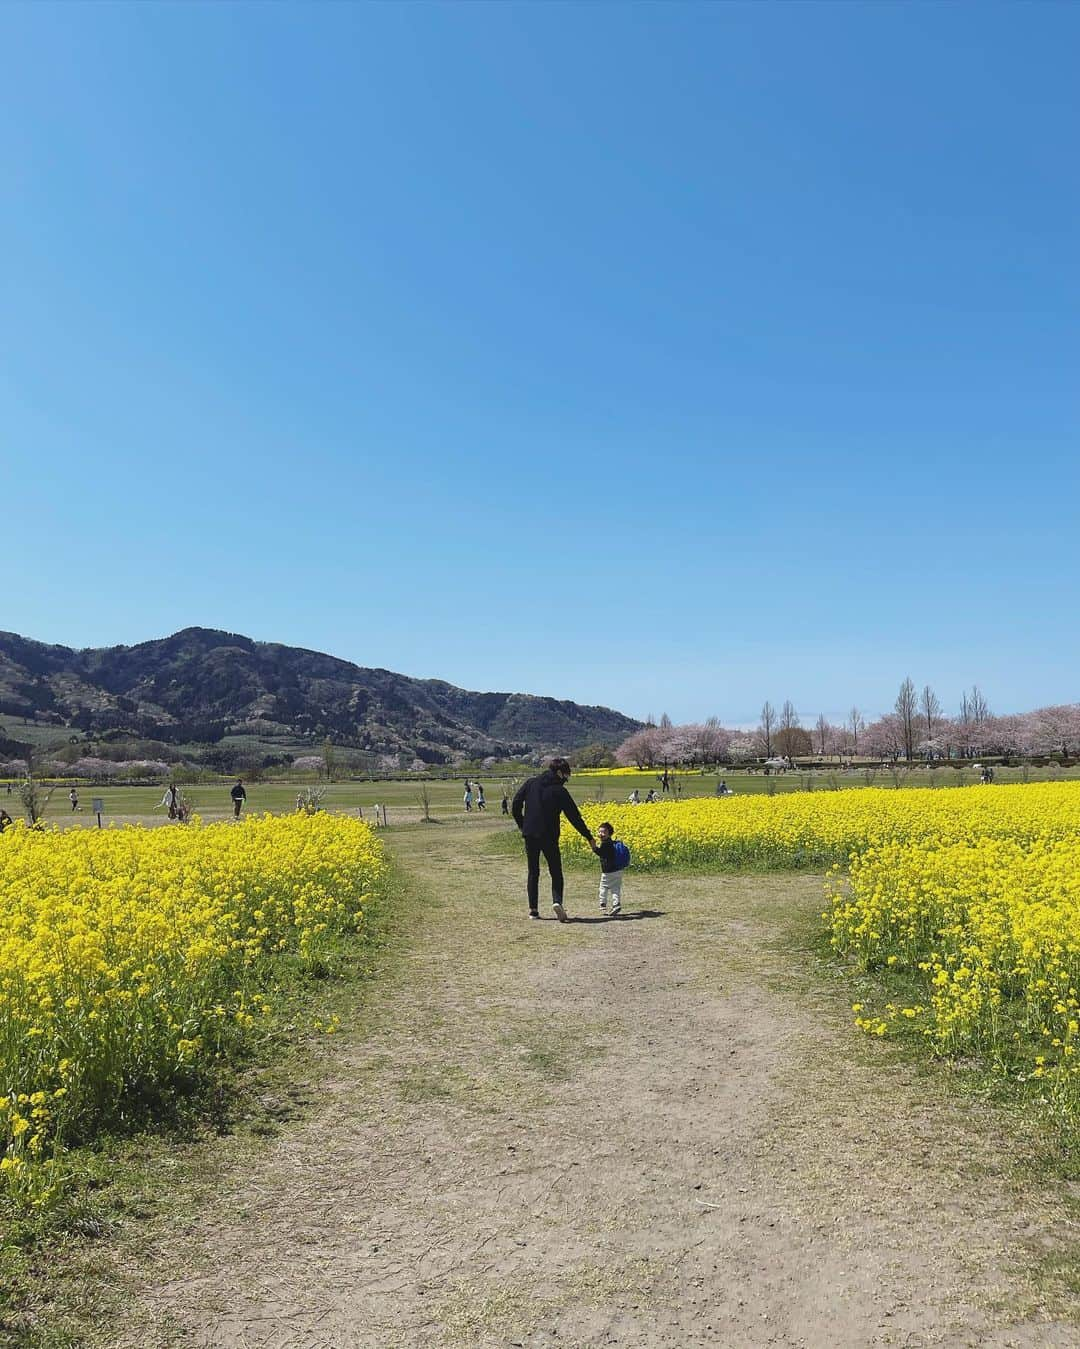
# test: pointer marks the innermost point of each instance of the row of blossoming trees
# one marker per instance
(89, 768)
(916, 729)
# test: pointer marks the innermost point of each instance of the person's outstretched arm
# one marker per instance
(518, 807)
(570, 810)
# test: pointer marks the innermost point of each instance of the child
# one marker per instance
(611, 872)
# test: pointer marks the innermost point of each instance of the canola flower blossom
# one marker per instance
(988, 930)
(819, 829)
(132, 959)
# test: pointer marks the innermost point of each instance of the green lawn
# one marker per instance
(401, 798)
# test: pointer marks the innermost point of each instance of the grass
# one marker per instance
(401, 797)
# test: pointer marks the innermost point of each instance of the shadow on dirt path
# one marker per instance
(608, 1133)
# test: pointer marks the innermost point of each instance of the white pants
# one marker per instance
(611, 888)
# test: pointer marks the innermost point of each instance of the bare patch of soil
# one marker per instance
(625, 1132)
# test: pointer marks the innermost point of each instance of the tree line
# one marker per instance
(916, 729)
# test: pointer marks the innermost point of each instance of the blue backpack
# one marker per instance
(622, 855)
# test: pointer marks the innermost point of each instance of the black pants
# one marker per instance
(550, 848)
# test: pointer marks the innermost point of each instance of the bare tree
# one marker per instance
(930, 709)
(980, 709)
(788, 742)
(822, 729)
(767, 727)
(665, 722)
(907, 708)
(33, 796)
(973, 720)
(857, 724)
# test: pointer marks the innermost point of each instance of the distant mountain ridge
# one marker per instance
(200, 685)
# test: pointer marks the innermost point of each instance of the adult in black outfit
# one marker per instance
(537, 806)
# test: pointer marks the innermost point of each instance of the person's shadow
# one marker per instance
(627, 916)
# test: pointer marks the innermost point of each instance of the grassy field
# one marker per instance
(401, 798)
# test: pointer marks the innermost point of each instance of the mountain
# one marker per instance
(201, 685)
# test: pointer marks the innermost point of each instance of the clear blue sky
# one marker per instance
(666, 356)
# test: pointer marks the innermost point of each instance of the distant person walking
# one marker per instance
(239, 796)
(481, 804)
(537, 807)
(505, 804)
(169, 801)
(468, 796)
(665, 782)
(73, 797)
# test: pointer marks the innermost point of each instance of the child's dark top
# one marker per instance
(605, 851)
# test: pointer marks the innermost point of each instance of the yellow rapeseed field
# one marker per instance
(971, 895)
(988, 933)
(131, 959)
(817, 829)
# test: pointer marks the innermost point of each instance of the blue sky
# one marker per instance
(665, 356)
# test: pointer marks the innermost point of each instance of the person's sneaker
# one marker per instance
(615, 910)
(559, 912)
(603, 907)
(534, 913)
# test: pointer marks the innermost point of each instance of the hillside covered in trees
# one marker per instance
(201, 686)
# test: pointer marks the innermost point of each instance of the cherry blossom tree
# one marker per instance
(643, 749)
(742, 748)
(884, 738)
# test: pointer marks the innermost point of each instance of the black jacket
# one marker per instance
(538, 804)
(605, 851)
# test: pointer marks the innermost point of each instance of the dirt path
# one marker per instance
(621, 1133)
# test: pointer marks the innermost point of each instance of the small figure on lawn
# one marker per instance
(170, 802)
(239, 796)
